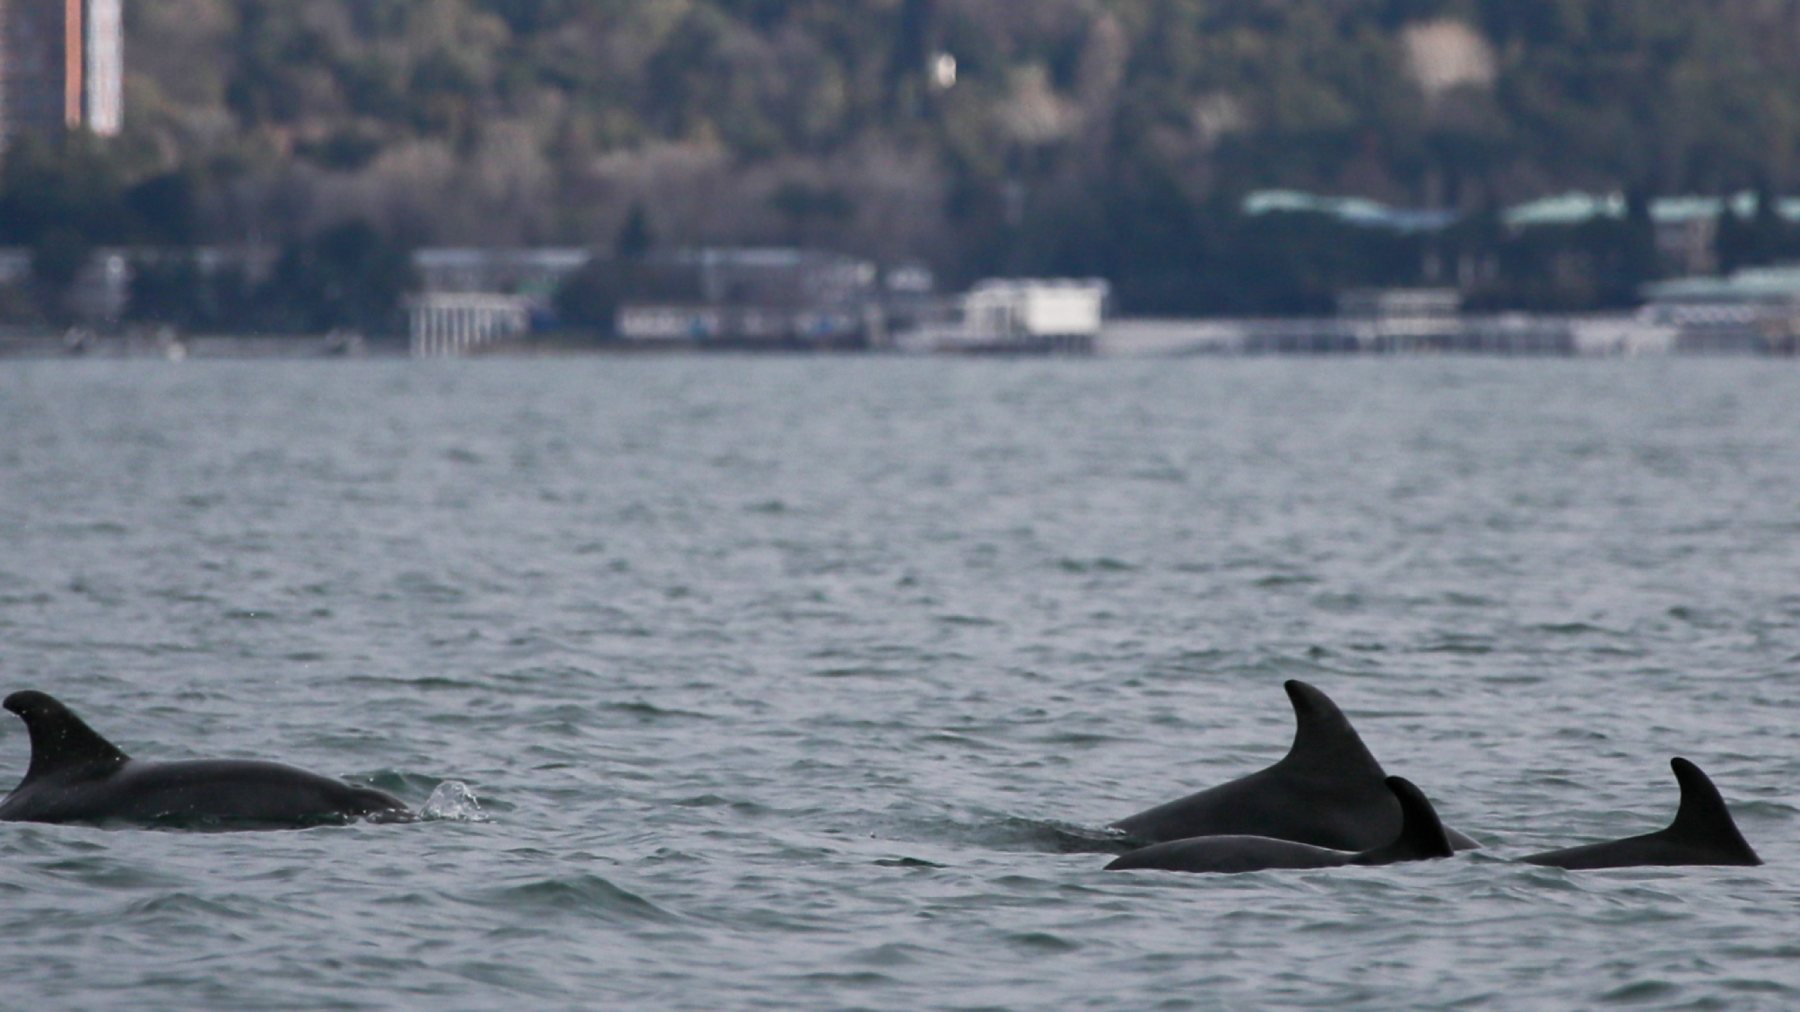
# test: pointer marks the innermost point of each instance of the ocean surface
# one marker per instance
(813, 682)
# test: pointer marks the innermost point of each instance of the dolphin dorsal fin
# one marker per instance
(59, 739)
(1703, 820)
(1422, 835)
(1323, 737)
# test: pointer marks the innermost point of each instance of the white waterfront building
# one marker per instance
(1021, 315)
(452, 324)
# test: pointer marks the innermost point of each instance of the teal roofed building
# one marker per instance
(1358, 211)
(1762, 286)
(1576, 208)
(1687, 227)
(1755, 310)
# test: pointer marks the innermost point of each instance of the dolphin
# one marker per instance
(1421, 838)
(1328, 791)
(77, 776)
(1702, 833)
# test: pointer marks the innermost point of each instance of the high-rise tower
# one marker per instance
(62, 66)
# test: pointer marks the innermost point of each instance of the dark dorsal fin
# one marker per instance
(59, 739)
(1324, 741)
(1703, 821)
(1422, 835)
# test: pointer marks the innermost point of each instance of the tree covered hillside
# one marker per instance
(1114, 137)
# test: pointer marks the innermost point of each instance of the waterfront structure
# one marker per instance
(454, 324)
(1407, 321)
(1032, 314)
(535, 271)
(753, 297)
(1019, 316)
(1756, 311)
(62, 67)
(1023, 316)
(1382, 318)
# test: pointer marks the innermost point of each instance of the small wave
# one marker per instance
(1573, 629)
(1277, 580)
(1458, 645)
(908, 862)
(585, 893)
(951, 619)
(1748, 986)
(188, 908)
(99, 870)
(421, 683)
(855, 671)
(648, 712)
(1693, 616)
(1765, 808)
(1102, 564)
(1641, 991)
(1016, 833)
(1041, 941)
(893, 954)
(865, 978)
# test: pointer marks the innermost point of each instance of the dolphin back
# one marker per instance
(1703, 833)
(1327, 791)
(243, 792)
(78, 776)
(201, 793)
(1229, 854)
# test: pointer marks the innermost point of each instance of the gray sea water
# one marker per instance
(811, 683)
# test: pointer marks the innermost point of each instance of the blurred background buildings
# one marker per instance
(852, 169)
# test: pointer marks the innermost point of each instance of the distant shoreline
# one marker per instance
(1513, 335)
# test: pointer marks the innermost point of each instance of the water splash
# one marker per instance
(453, 801)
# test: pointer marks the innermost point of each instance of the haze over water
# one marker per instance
(811, 682)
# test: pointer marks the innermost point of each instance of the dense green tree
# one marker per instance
(167, 289)
(64, 185)
(346, 276)
(635, 238)
(58, 255)
(589, 299)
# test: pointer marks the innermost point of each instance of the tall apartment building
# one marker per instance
(62, 66)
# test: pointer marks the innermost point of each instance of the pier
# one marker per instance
(453, 324)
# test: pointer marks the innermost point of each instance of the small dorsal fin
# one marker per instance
(1422, 835)
(1703, 820)
(59, 739)
(1323, 737)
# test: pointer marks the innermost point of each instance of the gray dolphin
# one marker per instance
(1703, 833)
(77, 776)
(1421, 838)
(1328, 791)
